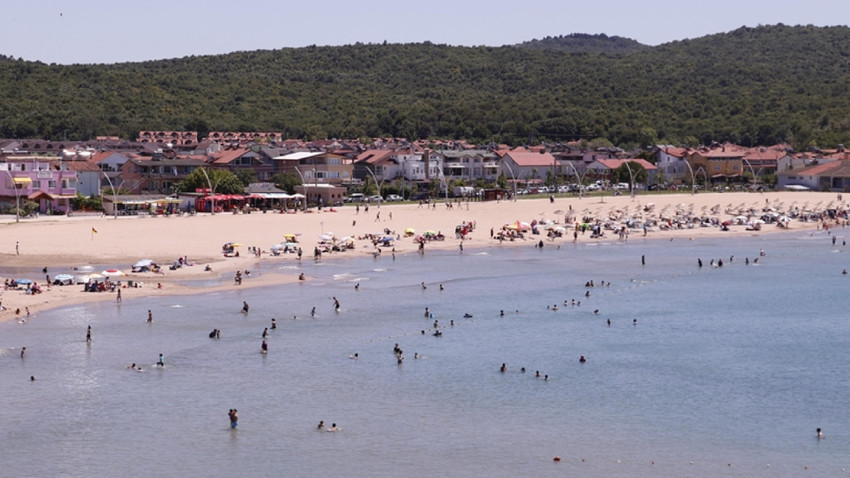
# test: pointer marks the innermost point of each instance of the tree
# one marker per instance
(286, 181)
(502, 181)
(222, 181)
(246, 175)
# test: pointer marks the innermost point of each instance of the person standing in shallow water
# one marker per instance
(234, 418)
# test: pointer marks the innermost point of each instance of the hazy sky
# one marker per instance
(100, 31)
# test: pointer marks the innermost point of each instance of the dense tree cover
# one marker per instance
(584, 43)
(221, 180)
(750, 86)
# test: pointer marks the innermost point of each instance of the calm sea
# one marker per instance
(728, 370)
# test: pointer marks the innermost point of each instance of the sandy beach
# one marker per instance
(65, 244)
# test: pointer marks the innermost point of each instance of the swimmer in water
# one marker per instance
(582, 359)
(161, 361)
(321, 425)
(234, 418)
(274, 323)
(503, 368)
(333, 428)
(313, 312)
(820, 434)
(355, 356)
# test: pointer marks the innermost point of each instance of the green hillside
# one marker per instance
(750, 86)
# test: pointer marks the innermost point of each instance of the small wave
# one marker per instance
(288, 267)
(379, 270)
(177, 306)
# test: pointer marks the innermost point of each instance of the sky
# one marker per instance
(100, 31)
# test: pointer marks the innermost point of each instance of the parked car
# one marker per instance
(355, 197)
(393, 198)
(421, 197)
(374, 198)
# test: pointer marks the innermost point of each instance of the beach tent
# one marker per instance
(143, 263)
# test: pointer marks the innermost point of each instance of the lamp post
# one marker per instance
(305, 187)
(751, 171)
(376, 180)
(114, 196)
(579, 177)
(513, 178)
(212, 191)
(631, 179)
(17, 195)
(693, 178)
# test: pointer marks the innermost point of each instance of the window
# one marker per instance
(36, 184)
(51, 184)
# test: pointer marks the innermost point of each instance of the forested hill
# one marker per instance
(750, 86)
(584, 43)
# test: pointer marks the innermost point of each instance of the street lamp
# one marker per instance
(579, 177)
(17, 195)
(751, 171)
(513, 178)
(306, 196)
(212, 191)
(114, 196)
(376, 180)
(693, 178)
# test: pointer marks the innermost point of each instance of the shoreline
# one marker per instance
(61, 243)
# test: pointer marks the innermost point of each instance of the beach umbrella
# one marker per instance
(95, 276)
(23, 281)
(409, 230)
(112, 273)
(143, 263)
(386, 239)
(63, 278)
(81, 279)
(325, 237)
(277, 247)
(430, 233)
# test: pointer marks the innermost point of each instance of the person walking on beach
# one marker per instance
(150, 316)
(88, 335)
(17, 248)
(118, 297)
(23, 351)
(234, 418)
(245, 307)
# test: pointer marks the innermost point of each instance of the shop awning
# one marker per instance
(22, 180)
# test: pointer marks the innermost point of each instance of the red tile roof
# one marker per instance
(527, 159)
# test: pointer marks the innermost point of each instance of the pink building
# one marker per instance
(46, 182)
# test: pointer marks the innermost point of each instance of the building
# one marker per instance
(42, 180)
(315, 167)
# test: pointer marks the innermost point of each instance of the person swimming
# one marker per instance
(503, 368)
(582, 359)
(321, 425)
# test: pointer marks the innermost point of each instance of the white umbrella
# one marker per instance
(112, 273)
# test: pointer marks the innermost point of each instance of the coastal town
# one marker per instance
(143, 176)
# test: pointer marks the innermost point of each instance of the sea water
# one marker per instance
(711, 371)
